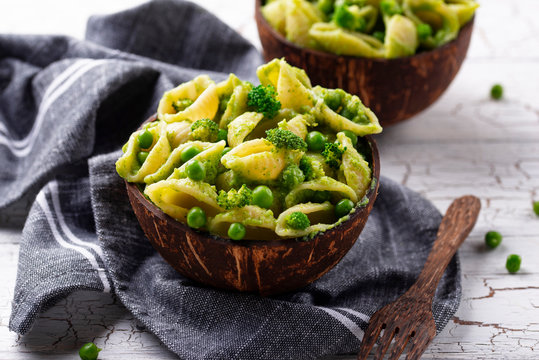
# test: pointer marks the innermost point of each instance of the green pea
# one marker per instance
(351, 136)
(423, 31)
(222, 135)
(262, 196)
(513, 263)
(196, 218)
(145, 139)
(89, 351)
(195, 170)
(316, 141)
(225, 150)
(189, 152)
(536, 208)
(333, 100)
(493, 239)
(496, 92)
(347, 113)
(236, 231)
(343, 207)
(141, 157)
(320, 196)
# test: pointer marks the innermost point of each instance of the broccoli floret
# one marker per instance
(348, 16)
(204, 130)
(291, 176)
(235, 198)
(311, 168)
(390, 7)
(182, 104)
(263, 100)
(298, 220)
(286, 139)
(333, 154)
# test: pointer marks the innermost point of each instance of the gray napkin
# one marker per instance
(67, 106)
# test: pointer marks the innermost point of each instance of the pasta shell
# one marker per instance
(177, 196)
(173, 161)
(322, 216)
(190, 90)
(342, 42)
(257, 160)
(355, 169)
(178, 132)
(259, 223)
(303, 191)
(209, 158)
(128, 166)
(241, 126)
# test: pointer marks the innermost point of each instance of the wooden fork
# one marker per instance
(409, 318)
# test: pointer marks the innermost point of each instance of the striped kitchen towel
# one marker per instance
(66, 108)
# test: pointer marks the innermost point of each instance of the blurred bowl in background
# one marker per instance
(395, 89)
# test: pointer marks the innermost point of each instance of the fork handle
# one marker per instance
(456, 224)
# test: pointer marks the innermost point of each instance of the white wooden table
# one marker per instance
(465, 143)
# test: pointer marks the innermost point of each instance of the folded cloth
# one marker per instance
(67, 106)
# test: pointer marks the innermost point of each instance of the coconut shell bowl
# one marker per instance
(395, 89)
(264, 267)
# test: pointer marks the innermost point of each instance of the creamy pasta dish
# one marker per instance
(369, 28)
(279, 160)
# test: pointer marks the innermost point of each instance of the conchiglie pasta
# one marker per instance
(259, 223)
(240, 127)
(341, 42)
(302, 192)
(174, 160)
(209, 157)
(337, 122)
(299, 17)
(204, 107)
(190, 90)
(128, 165)
(257, 160)
(236, 105)
(355, 169)
(177, 196)
(178, 132)
(321, 217)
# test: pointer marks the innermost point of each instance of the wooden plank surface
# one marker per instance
(465, 143)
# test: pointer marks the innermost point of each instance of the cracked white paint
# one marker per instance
(465, 143)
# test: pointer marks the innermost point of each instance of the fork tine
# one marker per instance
(401, 339)
(385, 341)
(370, 337)
(419, 345)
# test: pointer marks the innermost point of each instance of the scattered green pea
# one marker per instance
(263, 196)
(513, 263)
(145, 139)
(189, 152)
(236, 231)
(222, 135)
(141, 157)
(195, 170)
(89, 351)
(496, 92)
(536, 207)
(493, 239)
(315, 141)
(351, 136)
(196, 217)
(321, 196)
(343, 207)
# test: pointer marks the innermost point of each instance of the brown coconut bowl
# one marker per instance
(265, 267)
(395, 89)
